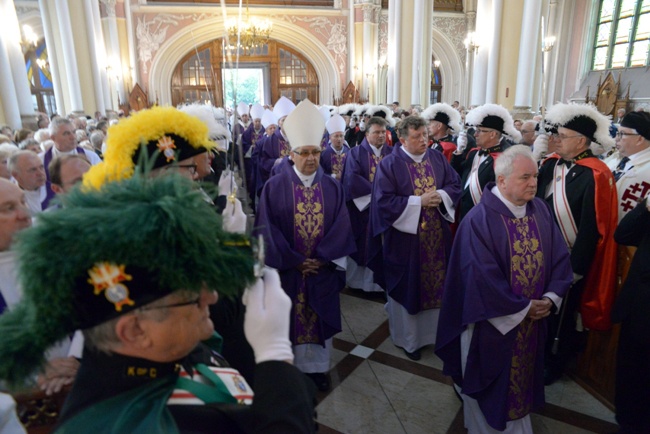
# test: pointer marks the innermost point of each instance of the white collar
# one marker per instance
(518, 211)
(306, 180)
(416, 158)
(639, 155)
(376, 151)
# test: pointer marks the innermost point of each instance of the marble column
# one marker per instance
(95, 40)
(396, 60)
(495, 53)
(416, 40)
(529, 55)
(52, 53)
(8, 97)
(11, 46)
(69, 56)
(483, 30)
(113, 50)
(351, 47)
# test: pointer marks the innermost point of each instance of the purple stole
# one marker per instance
(3, 304)
(284, 148)
(373, 162)
(337, 162)
(309, 229)
(432, 246)
(527, 279)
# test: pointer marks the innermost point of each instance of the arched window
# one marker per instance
(622, 34)
(286, 73)
(436, 81)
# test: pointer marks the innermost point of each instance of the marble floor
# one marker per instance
(377, 389)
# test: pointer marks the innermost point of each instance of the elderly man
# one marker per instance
(141, 294)
(528, 130)
(14, 217)
(443, 120)
(28, 172)
(332, 159)
(631, 162)
(306, 227)
(358, 176)
(493, 125)
(67, 171)
(580, 190)
(413, 199)
(509, 269)
(62, 132)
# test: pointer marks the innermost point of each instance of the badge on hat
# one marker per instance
(166, 146)
(105, 276)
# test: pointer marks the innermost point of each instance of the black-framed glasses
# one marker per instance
(620, 134)
(315, 153)
(196, 301)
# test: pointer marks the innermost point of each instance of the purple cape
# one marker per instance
(274, 147)
(326, 157)
(401, 262)
(275, 220)
(478, 287)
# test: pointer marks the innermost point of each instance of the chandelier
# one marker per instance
(252, 32)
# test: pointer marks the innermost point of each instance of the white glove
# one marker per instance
(226, 183)
(266, 323)
(362, 126)
(540, 147)
(352, 123)
(234, 219)
(461, 142)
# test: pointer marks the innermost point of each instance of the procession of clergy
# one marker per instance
(473, 235)
(495, 241)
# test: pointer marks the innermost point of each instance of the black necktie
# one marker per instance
(567, 163)
(619, 169)
(483, 152)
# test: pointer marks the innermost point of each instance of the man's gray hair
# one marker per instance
(56, 123)
(12, 163)
(504, 165)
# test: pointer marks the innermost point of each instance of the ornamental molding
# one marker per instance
(110, 7)
(455, 29)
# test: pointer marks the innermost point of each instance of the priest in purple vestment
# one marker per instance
(358, 176)
(306, 228)
(332, 159)
(276, 146)
(413, 201)
(508, 271)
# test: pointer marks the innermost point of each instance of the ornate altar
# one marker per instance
(350, 95)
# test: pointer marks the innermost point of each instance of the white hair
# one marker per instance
(504, 165)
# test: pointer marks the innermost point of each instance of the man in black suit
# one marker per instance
(631, 310)
(493, 125)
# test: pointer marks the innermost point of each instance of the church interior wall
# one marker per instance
(512, 15)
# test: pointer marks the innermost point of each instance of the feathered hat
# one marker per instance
(584, 119)
(347, 109)
(304, 126)
(383, 112)
(361, 110)
(445, 114)
(128, 244)
(496, 117)
(165, 134)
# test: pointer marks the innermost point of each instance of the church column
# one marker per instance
(554, 28)
(394, 51)
(69, 56)
(16, 62)
(390, 54)
(495, 52)
(483, 29)
(351, 45)
(416, 39)
(113, 52)
(52, 53)
(529, 53)
(95, 40)
(8, 97)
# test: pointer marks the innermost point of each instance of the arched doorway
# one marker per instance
(199, 76)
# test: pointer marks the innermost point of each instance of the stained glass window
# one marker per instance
(622, 38)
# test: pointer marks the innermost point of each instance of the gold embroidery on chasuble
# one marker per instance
(432, 249)
(373, 163)
(285, 149)
(526, 278)
(308, 231)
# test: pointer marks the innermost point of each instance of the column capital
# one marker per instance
(109, 6)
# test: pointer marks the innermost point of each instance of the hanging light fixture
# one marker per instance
(252, 32)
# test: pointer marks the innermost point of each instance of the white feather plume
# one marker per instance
(560, 114)
(475, 117)
(452, 113)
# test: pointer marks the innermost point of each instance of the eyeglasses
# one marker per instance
(620, 134)
(196, 301)
(563, 137)
(315, 153)
(481, 131)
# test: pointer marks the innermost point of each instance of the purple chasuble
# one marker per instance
(332, 162)
(274, 147)
(358, 175)
(413, 265)
(499, 263)
(300, 223)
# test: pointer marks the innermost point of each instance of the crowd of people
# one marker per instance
(491, 238)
